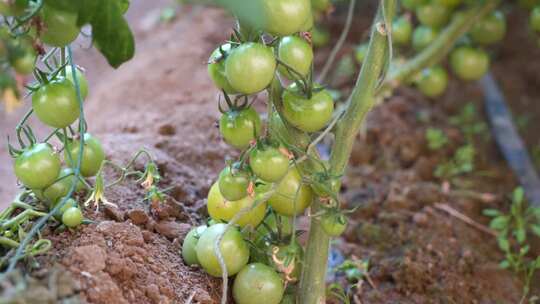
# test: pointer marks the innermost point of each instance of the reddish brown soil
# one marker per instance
(163, 101)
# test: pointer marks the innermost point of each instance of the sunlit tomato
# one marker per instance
(307, 114)
(250, 67)
(297, 54)
(285, 17)
(221, 209)
(402, 30)
(92, 157)
(240, 127)
(70, 203)
(189, 254)
(216, 68)
(256, 282)
(38, 166)
(55, 103)
(469, 63)
(61, 186)
(490, 29)
(319, 36)
(360, 52)
(83, 83)
(423, 36)
(72, 217)
(292, 196)
(433, 14)
(433, 81)
(534, 19)
(334, 224)
(233, 248)
(233, 184)
(308, 25)
(269, 164)
(60, 27)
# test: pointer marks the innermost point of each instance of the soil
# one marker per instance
(163, 101)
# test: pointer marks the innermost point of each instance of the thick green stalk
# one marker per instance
(313, 281)
(441, 46)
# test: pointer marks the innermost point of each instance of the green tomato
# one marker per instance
(60, 27)
(92, 157)
(433, 14)
(285, 17)
(297, 54)
(25, 64)
(360, 52)
(233, 184)
(233, 248)
(433, 81)
(221, 209)
(307, 114)
(490, 29)
(269, 164)
(61, 186)
(401, 31)
(257, 282)
(448, 3)
(189, 254)
(239, 128)
(83, 83)
(334, 224)
(423, 36)
(412, 4)
(250, 67)
(319, 36)
(55, 103)
(38, 166)
(291, 196)
(72, 217)
(534, 19)
(308, 25)
(70, 203)
(216, 68)
(469, 63)
(321, 5)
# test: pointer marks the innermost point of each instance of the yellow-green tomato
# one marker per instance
(38, 166)
(433, 14)
(92, 156)
(55, 103)
(534, 19)
(221, 209)
(59, 27)
(61, 187)
(216, 68)
(307, 114)
(257, 282)
(319, 36)
(321, 5)
(250, 67)
(233, 184)
(433, 81)
(268, 163)
(491, 29)
(285, 17)
(70, 202)
(81, 79)
(292, 197)
(297, 54)
(240, 127)
(402, 31)
(233, 248)
(469, 63)
(72, 217)
(189, 254)
(423, 36)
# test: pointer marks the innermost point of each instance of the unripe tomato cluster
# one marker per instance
(263, 190)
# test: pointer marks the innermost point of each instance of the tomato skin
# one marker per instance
(401, 31)
(412, 4)
(448, 3)
(221, 209)
(433, 81)
(72, 217)
(296, 53)
(360, 52)
(423, 36)
(433, 14)
(469, 63)
(256, 282)
(239, 128)
(60, 27)
(216, 69)
(319, 36)
(55, 103)
(69, 204)
(233, 184)
(308, 115)
(38, 166)
(283, 200)
(285, 17)
(534, 19)
(83, 83)
(189, 254)
(320, 5)
(233, 248)
(250, 67)
(269, 164)
(92, 158)
(25, 64)
(489, 30)
(334, 224)
(61, 187)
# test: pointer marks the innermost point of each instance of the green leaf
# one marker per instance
(499, 223)
(503, 244)
(535, 228)
(521, 235)
(491, 212)
(504, 264)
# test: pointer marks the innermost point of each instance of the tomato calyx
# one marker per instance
(240, 103)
